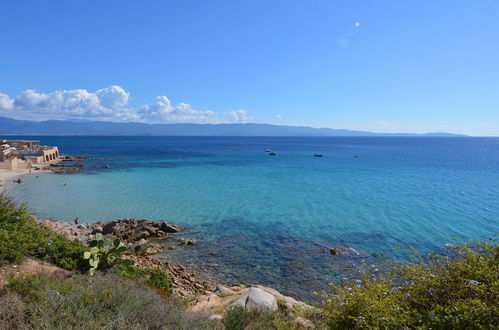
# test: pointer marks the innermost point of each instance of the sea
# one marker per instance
(271, 220)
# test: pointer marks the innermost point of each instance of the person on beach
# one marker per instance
(76, 220)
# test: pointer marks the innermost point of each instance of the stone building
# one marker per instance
(23, 154)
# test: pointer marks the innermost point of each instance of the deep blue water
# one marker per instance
(263, 219)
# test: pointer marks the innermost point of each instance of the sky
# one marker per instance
(381, 66)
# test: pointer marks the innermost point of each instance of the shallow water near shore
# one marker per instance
(263, 219)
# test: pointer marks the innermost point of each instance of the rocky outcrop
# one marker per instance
(215, 299)
(66, 170)
(139, 236)
(76, 157)
(254, 298)
(67, 165)
(133, 229)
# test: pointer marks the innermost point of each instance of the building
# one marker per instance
(24, 154)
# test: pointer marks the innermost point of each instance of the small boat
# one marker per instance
(318, 155)
(272, 153)
(268, 150)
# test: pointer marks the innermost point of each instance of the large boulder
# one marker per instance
(257, 299)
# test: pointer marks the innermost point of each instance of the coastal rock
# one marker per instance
(109, 228)
(346, 251)
(303, 323)
(169, 228)
(48, 224)
(257, 299)
(97, 230)
(139, 245)
(187, 241)
(141, 235)
(223, 291)
(65, 170)
(153, 249)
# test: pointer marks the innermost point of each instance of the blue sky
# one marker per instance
(409, 66)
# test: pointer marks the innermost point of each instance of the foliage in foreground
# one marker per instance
(445, 292)
(155, 278)
(21, 236)
(102, 301)
(102, 254)
(238, 318)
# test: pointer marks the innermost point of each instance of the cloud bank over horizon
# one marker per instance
(108, 104)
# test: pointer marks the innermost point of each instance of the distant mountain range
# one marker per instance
(10, 126)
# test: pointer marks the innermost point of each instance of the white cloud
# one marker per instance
(6, 103)
(278, 116)
(108, 104)
(113, 97)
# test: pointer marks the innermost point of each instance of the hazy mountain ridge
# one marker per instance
(9, 126)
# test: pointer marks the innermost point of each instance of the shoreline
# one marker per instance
(205, 294)
(183, 256)
(6, 175)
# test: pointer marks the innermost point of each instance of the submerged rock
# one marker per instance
(187, 241)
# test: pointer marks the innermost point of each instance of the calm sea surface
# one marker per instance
(263, 219)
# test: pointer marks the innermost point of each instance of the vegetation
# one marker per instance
(21, 236)
(238, 318)
(457, 291)
(102, 301)
(155, 278)
(104, 255)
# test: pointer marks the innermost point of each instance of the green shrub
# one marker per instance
(27, 286)
(156, 278)
(65, 253)
(102, 301)
(460, 291)
(237, 318)
(21, 236)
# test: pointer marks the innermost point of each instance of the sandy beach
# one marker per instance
(6, 175)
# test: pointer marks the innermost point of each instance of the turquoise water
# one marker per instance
(263, 219)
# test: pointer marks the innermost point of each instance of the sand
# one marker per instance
(10, 175)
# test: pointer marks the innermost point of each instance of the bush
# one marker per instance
(156, 278)
(21, 236)
(13, 314)
(237, 318)
(65, 253)
(443, 292)
(103, 301)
